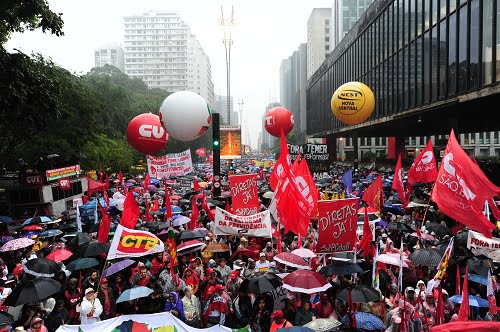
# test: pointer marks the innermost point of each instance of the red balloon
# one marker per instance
(146, 134)
(277, 119)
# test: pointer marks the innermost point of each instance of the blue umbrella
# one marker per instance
(474, 301)
(180, 220)
(155, 181)
(30, 235)
(295, 329)
(36, 220)
(394, 209)
(175, 209)
(5, 220)
(365, 321)
(50, 233)
(92, 204)
(118, 266)
(478, 279)
(381, 223)
(134, 293)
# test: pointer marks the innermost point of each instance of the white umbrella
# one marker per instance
(391, 259)
(181, 220)
(268, 194)
(323, 324)
(190, 246)
(304, 253)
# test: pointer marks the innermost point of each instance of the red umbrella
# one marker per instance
(176, 197)
(305, 281)
(33, 228)
(292, 260)
(245, 252)
(59, 255)
(190, 246)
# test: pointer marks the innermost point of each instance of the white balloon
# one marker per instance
(185, 115)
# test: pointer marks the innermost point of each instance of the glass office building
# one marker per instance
(414, 54)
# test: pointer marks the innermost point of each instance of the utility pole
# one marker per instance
(227, 24)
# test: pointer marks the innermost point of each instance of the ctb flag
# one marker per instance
(133, 243)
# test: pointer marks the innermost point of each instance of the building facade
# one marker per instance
(221, 107)
(286, 82)
(161, 50)
(345, 13)
(318, 38)
(110, 55)
(429, 64)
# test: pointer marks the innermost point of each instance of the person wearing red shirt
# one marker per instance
(279, 321)
(324, 308)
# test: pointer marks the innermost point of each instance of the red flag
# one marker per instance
(374, 195)
(350, 308)
(367, 236)
(196, 186)
(279, 245)
(120, 177)
(424, 167)
(457, 281)
(261, 174)
(304, 172)
(462, 188)
(156, 206)
(168, 208)
(104, 227)
(147, 181)
(106, 198)
(107, 181)
(418, 230)
(463, 314)
(295, 164)
(201, 152)
(397, 182)
(131, 212)
(299, 241)
(228, 206)
(494, 209)
(440, 307)
(148, 216)
(277, 172)
(195, 213)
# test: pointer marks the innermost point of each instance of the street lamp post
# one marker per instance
(227, 24)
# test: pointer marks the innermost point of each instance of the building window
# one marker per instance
(327, 47)
(327, 39)
(474, 45)
(452, 54)
(487, 46)
(463, 42)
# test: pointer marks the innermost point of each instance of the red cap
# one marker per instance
(277, 314)
(310, 236)
(234, 275)
(104, 281)
(210, 270)
(219, 287)
(211, 290)
(192, 260)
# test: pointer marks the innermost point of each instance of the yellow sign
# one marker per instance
(353, 103)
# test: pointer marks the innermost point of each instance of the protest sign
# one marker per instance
(244, 193)
(481, 245)
(258, 225)
(337, 223)
(172, 164)
(132, 243)
(316, 155)
(58, 173)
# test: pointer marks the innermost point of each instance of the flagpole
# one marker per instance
(428, 204)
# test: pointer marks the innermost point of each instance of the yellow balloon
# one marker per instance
(353, 103)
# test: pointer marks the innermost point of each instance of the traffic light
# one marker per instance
(216, 152)
(216, 142)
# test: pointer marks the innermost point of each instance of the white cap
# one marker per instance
(384, 235)
(262, 254)
(88, 290)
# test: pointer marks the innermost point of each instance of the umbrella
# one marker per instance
(42, 267)
(6, 319)
(438, 229)
(33, 291)
(461, 238)
(36, 220)
(176, 209)
(116, 267)
(245, 252)
(217, 247)
(359, 294)
(17, 244)
(370, 210)
(425, 257)
(458, 250)
(394, 209)
(474, 301)
(30, 235)
(265, 283)
(50, 233)
(189, 235)
(32, 228)
(391, 259)
(292, 260)
(59, 255)
(176, 197)
(304, 253)
(68, 227)
(478, 279)
(95, 248)
(151, 187)
(82, 264)
(423, 236)
(202, 230)
(134, 293)
(295, 329)
(480, 265)
(190, 246)
(180, 220)
(5, 220)
(305, 281)
(365, 321)
(400, 226)
(79, 239)
(340, 268)
(323, 324)
(268, 194)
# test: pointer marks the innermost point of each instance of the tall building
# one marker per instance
(161, 50)
(110, 55)
(221, 107)
(286, 83)
(345, 13)
(318, 38)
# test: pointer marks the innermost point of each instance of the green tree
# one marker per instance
(110, 153)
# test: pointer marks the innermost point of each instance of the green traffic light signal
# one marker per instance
(216, 143)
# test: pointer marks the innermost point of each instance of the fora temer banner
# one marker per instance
(258, 225)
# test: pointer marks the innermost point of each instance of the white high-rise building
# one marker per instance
(110, 55)
(161, 50)
(318, 38)
(345, 13)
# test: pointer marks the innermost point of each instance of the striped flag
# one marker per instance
(441, 268)
(375, 275)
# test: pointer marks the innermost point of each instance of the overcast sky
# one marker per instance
(267, 31)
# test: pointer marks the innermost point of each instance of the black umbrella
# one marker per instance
(438, 229)
(426, 257)
(33, 291)
(340, 268)
(263, 284)
(480, 265)
(458, 251)
(190, 235)
(359, 294)
(42, 267)
(400, 226)
(6, 318)
(82, 264)
(68, 227)
(461, 238)
(95, 248)
(79, 239)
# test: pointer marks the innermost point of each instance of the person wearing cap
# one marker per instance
(210, 280)
(224, 270)
(37, 325)
(90, 308)
(107, 298)
(396, 315)
(384, 239)
(233, 284)
(262, 265)
(221, 290)
(447, 306)
(215, 309)
(429, 307)
(279, 321)
(269, 251)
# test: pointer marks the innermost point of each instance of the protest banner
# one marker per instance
(258, 225)
(132, 243)
(316, 155)
(337, 223)
(481, 245)
(58, 173)
(164, 321)
(172, 164)
(244, 193)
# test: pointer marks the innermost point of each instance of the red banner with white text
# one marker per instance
(245, 195)
(337, 223)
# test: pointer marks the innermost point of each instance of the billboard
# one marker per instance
(230, 142)
(316, 155)
(58, 173)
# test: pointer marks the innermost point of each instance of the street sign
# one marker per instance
(216, 184)
(216, 178)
